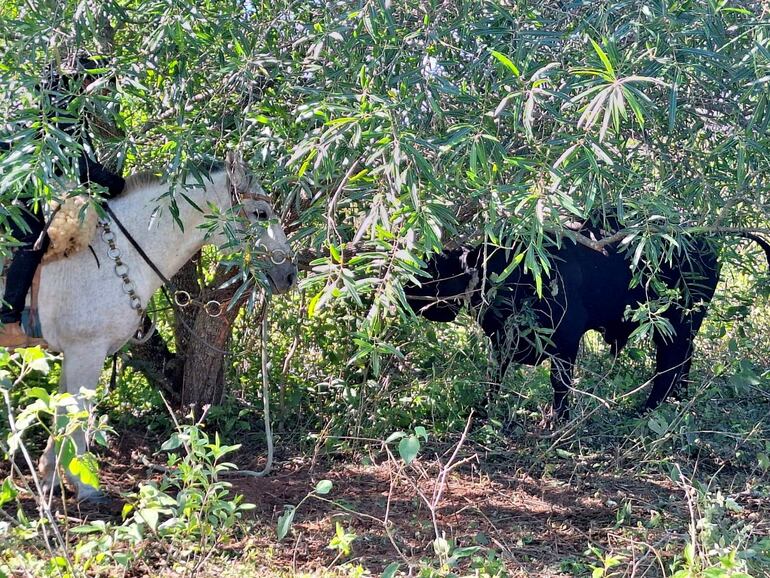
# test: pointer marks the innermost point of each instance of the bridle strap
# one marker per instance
(237, 196)
(161, 276)
(135, 245)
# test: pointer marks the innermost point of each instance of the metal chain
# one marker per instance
(120, 268)
(182, 299)
(213, 308)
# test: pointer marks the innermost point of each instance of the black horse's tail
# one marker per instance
(759, 241)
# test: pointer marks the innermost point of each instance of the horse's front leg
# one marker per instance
(47, 466)
(81, 369)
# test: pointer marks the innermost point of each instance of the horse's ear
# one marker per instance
(236, 170)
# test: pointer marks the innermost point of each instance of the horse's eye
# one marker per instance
(262, 215)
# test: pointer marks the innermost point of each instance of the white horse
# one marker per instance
(83, 308)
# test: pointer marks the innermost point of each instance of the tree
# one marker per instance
(387, 129)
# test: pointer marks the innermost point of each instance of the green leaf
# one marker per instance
(395, 436)
(59, 561)
(313, 303)
(425, 169)
(122, 558)
(604, 58)
(672, 102)
(689, 553)
(35, 359)
(335, 253)
(408, 448)
(323, 487)
(67, 452)
(390, 570)
(39, 393)
(8, 492)
(657, 425)
(284, 522)
(171, 443)
(635, 106)
(675, 474)
(507, 62)
(441, 547)
(86, 469)
(465, 552)
(150, 516)
(100, 438)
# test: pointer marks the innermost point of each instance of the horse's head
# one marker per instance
(451, 279)
(250, 200)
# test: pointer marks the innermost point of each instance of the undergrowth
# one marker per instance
(682, 491)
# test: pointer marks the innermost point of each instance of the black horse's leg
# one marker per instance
(673, 359)
(561, 381)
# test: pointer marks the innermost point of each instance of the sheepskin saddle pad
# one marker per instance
(72, 229)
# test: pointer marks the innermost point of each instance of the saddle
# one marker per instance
(71, 229)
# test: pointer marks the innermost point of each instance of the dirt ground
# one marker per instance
(539, 520)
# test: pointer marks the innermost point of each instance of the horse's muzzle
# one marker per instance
(282, 277)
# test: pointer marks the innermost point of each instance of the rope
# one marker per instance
(191, 330)
(266, 405)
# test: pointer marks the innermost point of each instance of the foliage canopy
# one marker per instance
(400, 126)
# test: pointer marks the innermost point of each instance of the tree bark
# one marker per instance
(193, 375)
(164, 368)
(203, 378)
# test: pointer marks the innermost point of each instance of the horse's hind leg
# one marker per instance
(673, 361)
(81, 369)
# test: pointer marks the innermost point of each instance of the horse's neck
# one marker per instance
(147, 216)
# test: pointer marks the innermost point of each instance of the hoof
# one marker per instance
(49, 488)
(93, 497)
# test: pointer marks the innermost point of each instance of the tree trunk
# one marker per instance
(163, 368)
(203, 378)
(193, 376)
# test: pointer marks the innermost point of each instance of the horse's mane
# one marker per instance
(140, 180)
(148, 178)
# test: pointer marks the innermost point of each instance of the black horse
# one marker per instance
(586, 289)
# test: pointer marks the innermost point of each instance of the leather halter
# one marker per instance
(237, 194)
(258, 197)
(236, 197)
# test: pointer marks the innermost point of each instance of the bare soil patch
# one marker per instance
(539, 521)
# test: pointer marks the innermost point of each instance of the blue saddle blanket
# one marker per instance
(31, 324)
